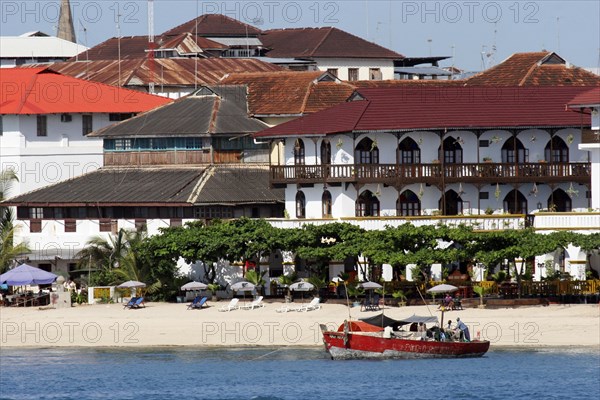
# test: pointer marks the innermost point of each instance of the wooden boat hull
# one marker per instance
(361, 346)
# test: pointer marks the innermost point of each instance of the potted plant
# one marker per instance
(213, 287)
(487, 159)
(481, 291)
(354, 291)
(401, 297)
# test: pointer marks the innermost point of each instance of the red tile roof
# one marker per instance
(38, 91)
(586, 99)
(214, 25)
(405, 83)
(439, 108)
(289, 92)
(137, 47)
(167, 71)
(321, 42)
(534, 69)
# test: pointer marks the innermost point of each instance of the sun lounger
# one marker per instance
(313, 305)
(194, 302)
(231, 306)
(200, 304)
(130, 303)
(284, 308)
(139, 303)
(254, 304)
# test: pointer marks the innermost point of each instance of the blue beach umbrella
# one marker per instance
(27, 275)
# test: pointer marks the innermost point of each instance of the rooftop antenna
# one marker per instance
(367, 16)
(84, 30)
(558, 34)
(151, 45)
(118, 21)
(429, 41)
(196, 59)
(453, 47)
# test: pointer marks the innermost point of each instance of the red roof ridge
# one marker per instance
(528, 74)
(321, 41)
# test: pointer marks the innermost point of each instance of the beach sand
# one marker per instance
(163, 324)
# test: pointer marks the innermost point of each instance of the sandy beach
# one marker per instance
(162, 324)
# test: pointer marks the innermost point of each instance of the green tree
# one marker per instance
(8, 250)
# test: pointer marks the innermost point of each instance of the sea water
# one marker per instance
(292, 373)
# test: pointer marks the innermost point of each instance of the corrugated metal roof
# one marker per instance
(38, 91)
(421, 108)
(237, 41)
(119, 186)
(225, 185)
(192, 115)
(38, 46)
(167, 71)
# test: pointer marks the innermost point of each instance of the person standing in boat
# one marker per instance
(464, 330)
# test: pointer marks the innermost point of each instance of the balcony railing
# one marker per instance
(394, 174)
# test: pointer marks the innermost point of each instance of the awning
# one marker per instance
(382, 321)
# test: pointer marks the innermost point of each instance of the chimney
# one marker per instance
(65, 22)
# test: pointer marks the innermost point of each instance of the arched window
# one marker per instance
(300, 205)
(556, 151)
(559, 201)
(515, 203)
(325, 152)
(409, 152)
(366, 152)
(367, 205)
(513, 151)
(453, 204)
(453, 153)
(408, 204)
(326, 203)
(299, 152)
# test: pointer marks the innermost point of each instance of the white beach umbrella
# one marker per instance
(131, 284)
(243, 286)
(370, 285)
(194, 286)
(302, 287)
(443, 288)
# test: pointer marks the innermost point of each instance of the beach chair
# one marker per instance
(139, 303)
(284, 308)
(130, 303)
(194, 302)
(254, 304)
(313, 305)
(231, 306)
(200, 304)
(374, 304)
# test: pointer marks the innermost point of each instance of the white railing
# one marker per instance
(480, 222)
(586, 222)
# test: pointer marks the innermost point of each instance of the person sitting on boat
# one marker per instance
(464, 330)
(422, 329)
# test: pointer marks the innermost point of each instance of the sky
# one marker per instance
(479, 34)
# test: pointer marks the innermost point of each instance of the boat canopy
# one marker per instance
(383, 321)
(358, 326)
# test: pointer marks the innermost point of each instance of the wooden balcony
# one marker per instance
(397, 174)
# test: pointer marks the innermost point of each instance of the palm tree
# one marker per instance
(106, 253)
(8, 250)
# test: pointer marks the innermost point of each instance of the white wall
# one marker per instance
(40, 161)
(363, 65)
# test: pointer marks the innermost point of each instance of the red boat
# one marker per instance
(362, 340)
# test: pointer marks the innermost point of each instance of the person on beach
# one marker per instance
(464, 330)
